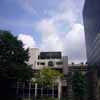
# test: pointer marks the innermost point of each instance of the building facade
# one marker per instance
(54, 60)
(83, 68)
(91, 19)
(40, 60)
(94, 55)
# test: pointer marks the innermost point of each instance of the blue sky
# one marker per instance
(47, 24)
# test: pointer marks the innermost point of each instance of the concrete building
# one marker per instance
(83, 68)
(54, 60)
(33, 56)
(91, 19)
(78, 67)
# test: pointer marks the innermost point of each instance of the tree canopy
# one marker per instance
(47, 76)
(13, 58)
(79, 85)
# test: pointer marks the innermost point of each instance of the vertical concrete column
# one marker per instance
(53, 91)
(59, 89)
(35, 90)
(41, 90)
(29, 90)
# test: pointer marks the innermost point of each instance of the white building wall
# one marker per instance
(33, 56)
(33, 60)
(46, 63)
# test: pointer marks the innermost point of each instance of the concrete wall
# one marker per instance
(33, 54)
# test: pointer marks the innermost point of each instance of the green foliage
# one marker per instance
(13, 58)
(79, 84)
(47, 76)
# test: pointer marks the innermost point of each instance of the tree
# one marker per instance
(13, 64)
(93, 77)
(13, 58)
(79, 85)
(47, 76)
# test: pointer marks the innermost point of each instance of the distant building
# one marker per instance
(78, 67)
(40, 60)
(83, 68)
(33, 56)
(54, 60)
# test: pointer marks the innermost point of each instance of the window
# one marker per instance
(49, 55)
(50, 63)
(38, 57)
(37, 63)
(42, 63)
(59, 63)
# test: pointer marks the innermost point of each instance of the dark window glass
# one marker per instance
(37, 63)
(59, 63)
(42, 63)
(50, 63)
(49, 55)
(44, 90)
(38, 57)
(39, 91)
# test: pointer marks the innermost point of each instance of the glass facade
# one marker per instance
(91, 19)
(50, 55)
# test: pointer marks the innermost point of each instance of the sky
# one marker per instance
(51, 25)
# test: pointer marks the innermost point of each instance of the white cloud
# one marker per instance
(52, 43)
(75, 44)
(27, 40)
(47, 27)
(50, 35)
(68, 13)
(72, 42)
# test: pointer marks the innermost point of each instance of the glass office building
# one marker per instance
(91, 19)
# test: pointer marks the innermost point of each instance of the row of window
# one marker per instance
(41, 91)
(50, 63)
(25, 92)
(50, 55)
